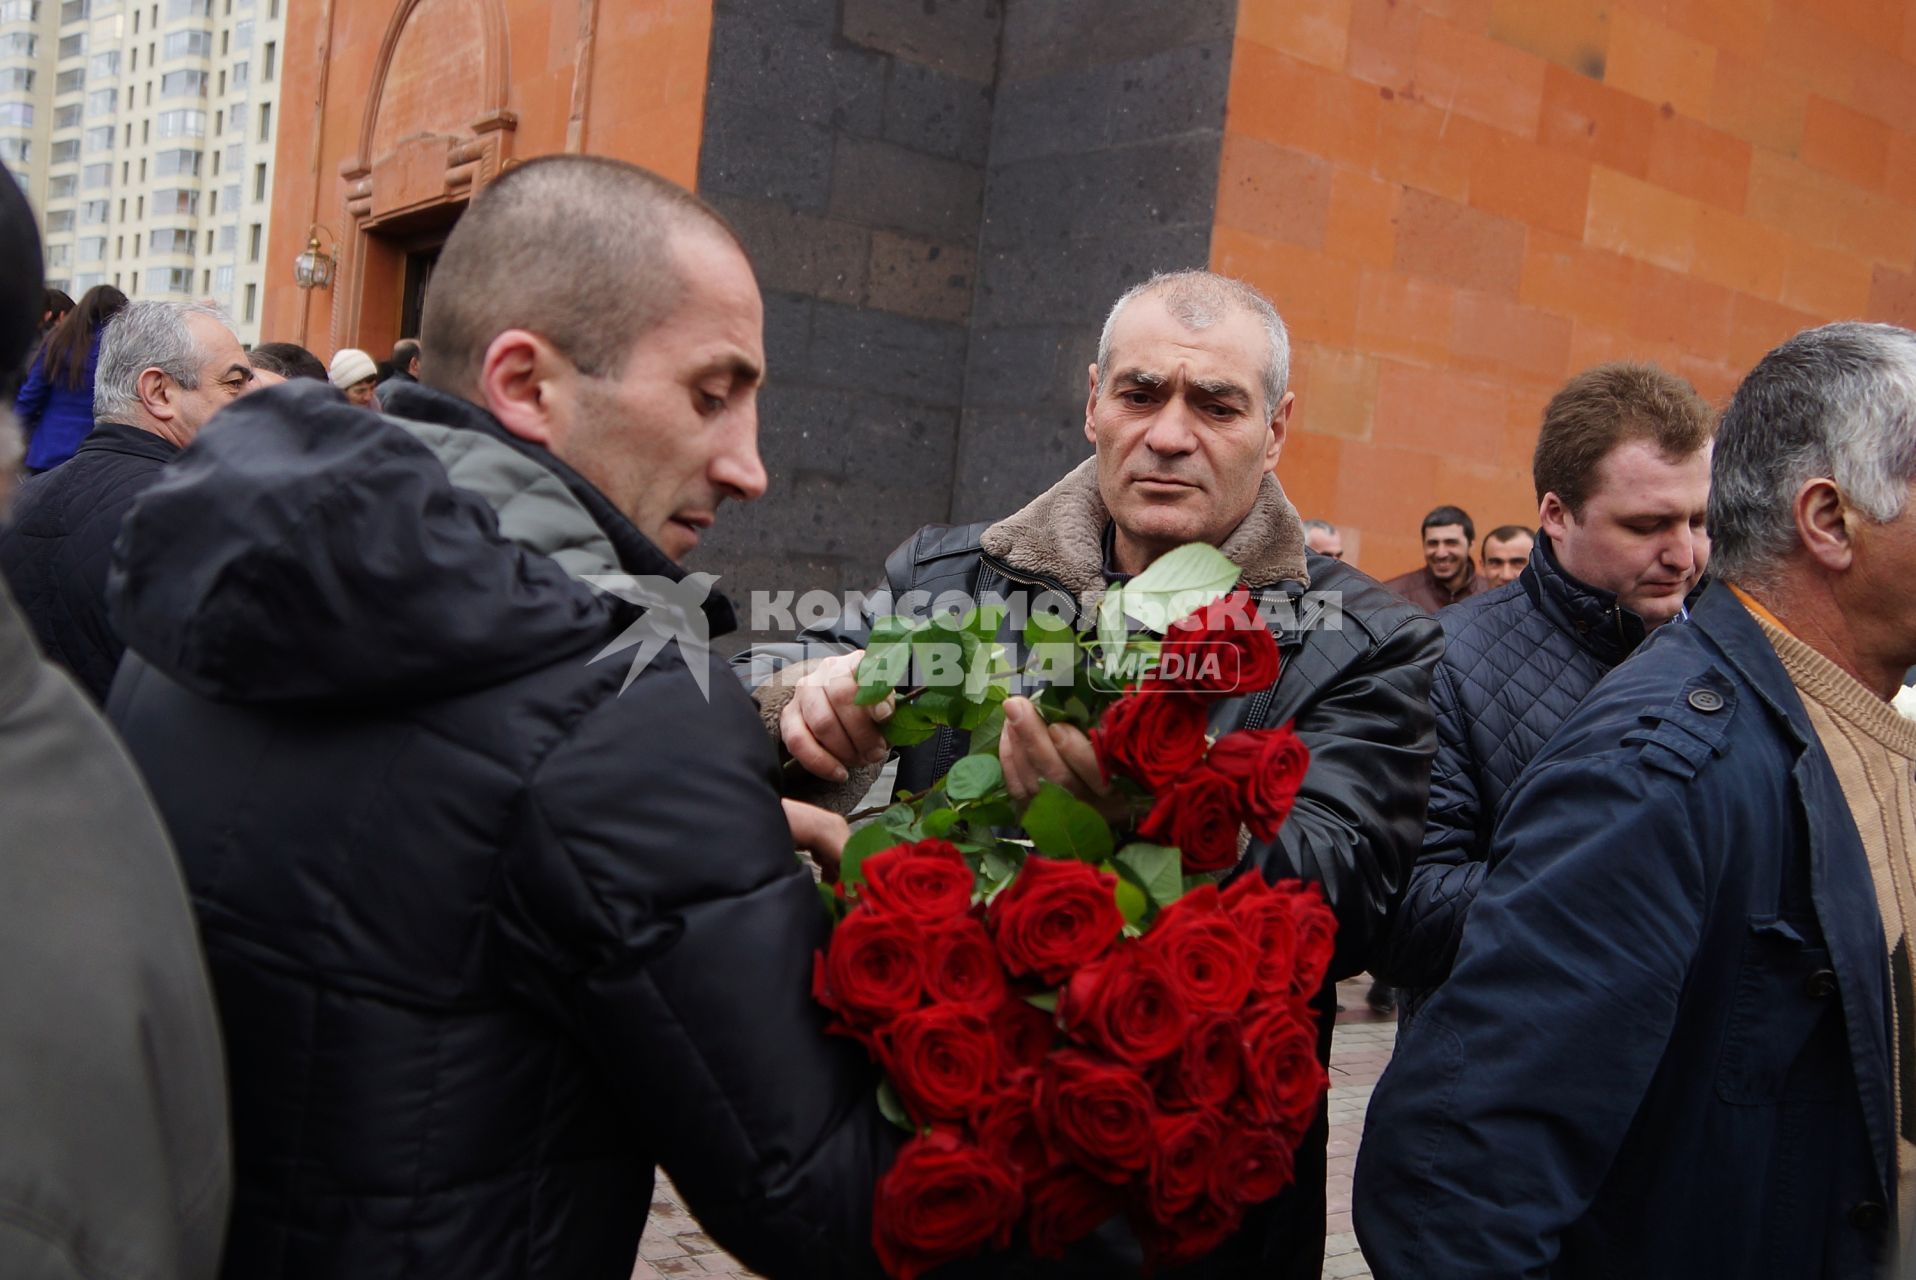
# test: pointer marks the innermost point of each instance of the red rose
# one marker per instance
(961, 966)
(1209, 1065)
(1190, 1235)
(1268, 767)
(929, 880)
(1056, 917)
(1199, 816)
(873, 969)
(1067, 1204)
(941, 1059)
(1316, 937)
(1255, 1165)
(1265, 917)
(1127, 1005)
(1223, 648)
(1284, 1082)
(1210, 959)
(1096, 1112)
(1025, 1033)
(1186, 1147)
(1151, 738)
(1006, 1125)
(942, 1199)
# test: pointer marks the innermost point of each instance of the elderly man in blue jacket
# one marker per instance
(1678, 1039)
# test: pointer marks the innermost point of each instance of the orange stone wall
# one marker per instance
(1458, 203)
(640, 71)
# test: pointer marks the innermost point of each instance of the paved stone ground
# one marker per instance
(673, 1245)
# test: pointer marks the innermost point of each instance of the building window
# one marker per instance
(243, 36)
(73, 46)
(272, 50)
(16, 150)
(265, 122)
(68, 117)
(169, 280)
(102, 102)
(168, 163)
(70, 81)
(188, 44)
(229, 237)
(177, 9)
(183, 84)
(62, 187)
(176, 200)
(16, 115)
(66, 152)
(73, 11)
(18, 44)
(182, 124)
(223, 282)
(59, 220)
(93, 213)
(252, 242)
(242, 75)
(99, 138)
(96, 177)
(59, 255)
(252, 301)
(93, 248)
(20, 11)
(104, 66)
(259, 182)
(16, 79)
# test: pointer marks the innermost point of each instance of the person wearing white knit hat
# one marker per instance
(354, 372)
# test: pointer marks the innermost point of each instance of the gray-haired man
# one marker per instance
(1678, 1039)
(165, 368)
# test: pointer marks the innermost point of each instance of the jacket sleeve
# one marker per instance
(1360, 812)
(1494, 1126)
(1422, 942)
(658, 911)
(31, 401)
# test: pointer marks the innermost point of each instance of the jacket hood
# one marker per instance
(306, 550)
(1060, 534)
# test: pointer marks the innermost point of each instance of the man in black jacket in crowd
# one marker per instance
(1187, 409)
(165, 369)
(1622, 471)
(496, 926)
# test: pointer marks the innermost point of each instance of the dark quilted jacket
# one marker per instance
(492, 934)
(56, 552)
(1517, 661)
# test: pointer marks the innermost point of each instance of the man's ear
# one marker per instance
(155, 392)
(1823, 524)
(1553, 517)
(1280, 427)
(518, 384)
(1090, 403)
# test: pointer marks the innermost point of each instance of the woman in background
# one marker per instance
(55, 407)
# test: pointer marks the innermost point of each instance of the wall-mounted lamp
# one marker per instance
(314, 268)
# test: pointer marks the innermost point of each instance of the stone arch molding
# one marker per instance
(431, 166)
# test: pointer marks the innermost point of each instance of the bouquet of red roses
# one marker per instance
(1074, 1030)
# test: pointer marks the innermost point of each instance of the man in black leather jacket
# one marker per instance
(1622, 470)
(1188, 409)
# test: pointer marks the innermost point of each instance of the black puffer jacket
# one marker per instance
(1517, 661)
(490, 937)
(56, 553)
(1355, 682)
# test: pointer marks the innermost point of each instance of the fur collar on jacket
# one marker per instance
(1060, 535)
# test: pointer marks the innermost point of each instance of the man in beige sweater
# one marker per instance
(1678, 1038)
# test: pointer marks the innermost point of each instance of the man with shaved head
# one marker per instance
(1186, 409)
(496, 928)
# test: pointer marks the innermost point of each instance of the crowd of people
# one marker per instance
(363, 924)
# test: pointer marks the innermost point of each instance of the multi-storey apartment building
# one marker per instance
(142, 131)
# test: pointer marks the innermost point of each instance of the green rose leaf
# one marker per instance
(974, 776)
(984, 622)
(898, 819)
(1063, 826)
(1155, 868)
(1131, 901)
(881, 670)
(865, 841)
(984, 739)
(892, 1107)
(939, 822)
(1046, 1000)
(1178, 583)
(908, 725)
